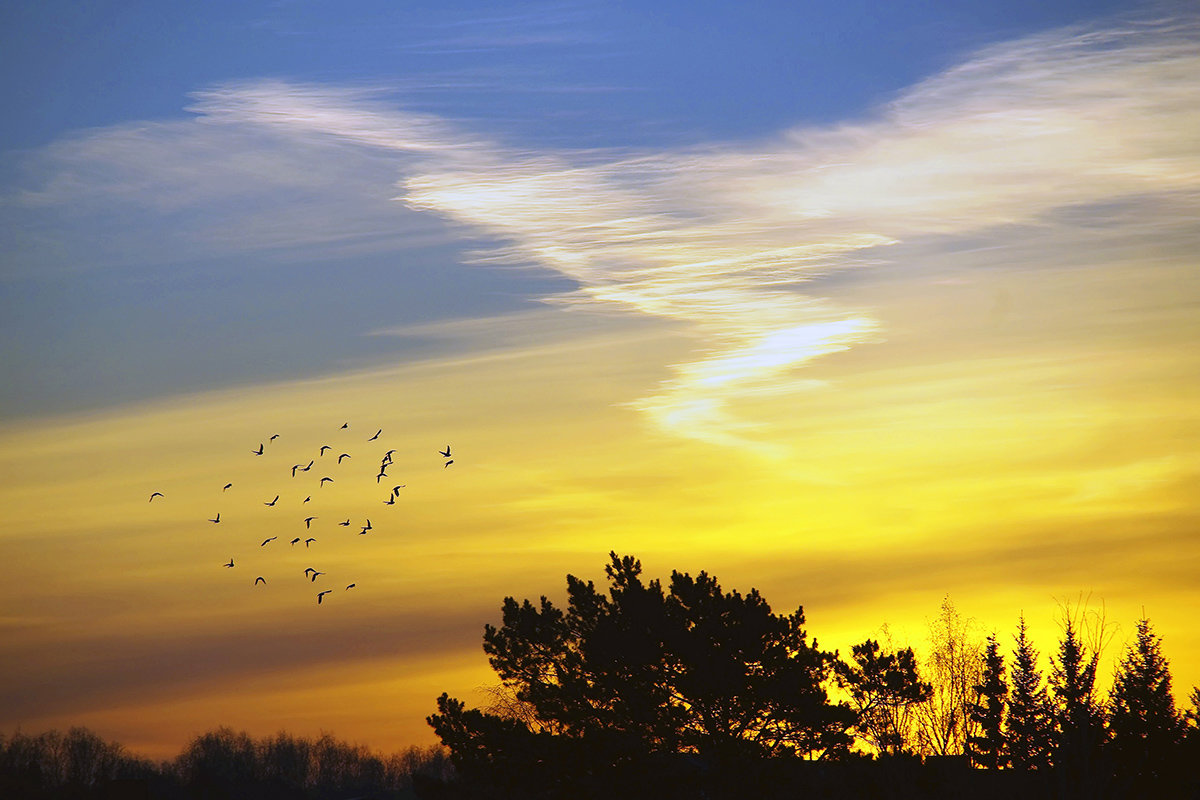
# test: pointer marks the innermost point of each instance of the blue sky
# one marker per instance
(588, 73)
(91, 316)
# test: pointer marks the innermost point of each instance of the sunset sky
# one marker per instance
(861, 304)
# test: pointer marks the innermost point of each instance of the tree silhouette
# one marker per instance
(954, 669)
(989, 747)
(644, 671)
(1079, 724)
(1144, 726)
(1029, 722)
(884, 687)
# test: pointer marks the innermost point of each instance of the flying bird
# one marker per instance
(351, 586)
(314, 576)
(308, 541)
(321, 595)
(230, 564)
(227, 486)
(218, 519)
(273, 502)
(376, 436)
(274, 436)
(388, 454)
(306, 469)
(307, 499)
(446, 452)
(368, 526)
(294, 468)
(448, 463)
(345, 425)
(326, 479)
(259, 451)
(156, 494)
(295, 541)
(264, 544)
(396, 489)
(343, 455)
(308, 522)
(345, 524)
(324, 447)
(391, 501)
(382, 474)
(260, 579)
(364, 531)
(308, 570)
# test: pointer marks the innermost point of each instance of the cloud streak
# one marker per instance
(727, 240)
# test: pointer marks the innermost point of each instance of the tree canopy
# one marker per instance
(646, 669)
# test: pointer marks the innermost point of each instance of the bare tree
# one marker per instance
(954, 667)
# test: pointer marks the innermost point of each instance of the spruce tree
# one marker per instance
(987, 748)
(1028, 729)
(1143, 722)
(1079, 724)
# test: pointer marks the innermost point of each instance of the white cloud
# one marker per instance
(724, 238)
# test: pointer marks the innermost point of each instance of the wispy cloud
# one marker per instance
(727, 240)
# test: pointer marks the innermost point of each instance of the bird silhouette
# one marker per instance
(321, 595)
(273, 502)
(264, 544)
(364, 531)
(274, 436)
(230, 564)
(307, 499)
(448, 463)
(345, 524)
(306, 469)
(308, 522)
(368, 525)
(308, 541)
(218, 519)
(260, 579)
(323, 480)
(382, 474)
(227, 486)
(396, 489)
(295, 541)
(324, 447)
(446, 452)
(156, 494)
(376, 436)
(391, 501)
(345, 425)
(259, 451)
(388, 454)
(308, 570)
(351, 586)
(343, 455)
(313, 578)
(294, 468)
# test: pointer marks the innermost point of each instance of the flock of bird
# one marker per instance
(311, 573)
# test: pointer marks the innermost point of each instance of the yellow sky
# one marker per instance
(1002, 453)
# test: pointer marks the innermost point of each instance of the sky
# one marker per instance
(863, 305)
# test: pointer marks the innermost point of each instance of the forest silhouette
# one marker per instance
(686, 690)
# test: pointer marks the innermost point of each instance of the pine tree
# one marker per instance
(988, 748)
(1079, 724)
(1028, 729)
(1143, 722)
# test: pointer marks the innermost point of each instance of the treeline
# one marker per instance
(218, 764)
(686, 689)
